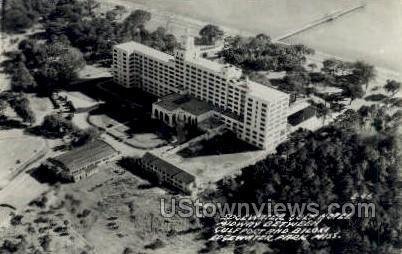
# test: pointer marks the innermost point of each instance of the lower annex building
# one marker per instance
(196, 88)
(82, 162)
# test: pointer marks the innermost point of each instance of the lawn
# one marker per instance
(79, 99)
(15, 151)
(41, 106)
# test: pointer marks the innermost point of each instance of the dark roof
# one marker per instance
(185, 102)
(170, 169)
(85, 155)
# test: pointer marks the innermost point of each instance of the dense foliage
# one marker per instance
(209, 35)
(261, 54)
(55, 126)
(357, 155)
(18, 15)
(350, 76)
(392, 86)
(19, 103)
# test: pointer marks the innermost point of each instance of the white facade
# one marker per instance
(256, 113)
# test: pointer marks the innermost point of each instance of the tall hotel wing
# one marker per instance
(256, 113)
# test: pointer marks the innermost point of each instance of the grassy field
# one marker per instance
(41, 106)
(16, 150)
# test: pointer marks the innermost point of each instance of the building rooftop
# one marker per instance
(265, 92)
(170, 169)
(85, 155)
(206, 64)
(185, 102)
(132, 46)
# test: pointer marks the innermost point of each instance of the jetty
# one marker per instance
(327, 18)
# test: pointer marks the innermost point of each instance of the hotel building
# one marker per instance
(256, 113)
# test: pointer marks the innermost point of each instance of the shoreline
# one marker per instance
(177, 22)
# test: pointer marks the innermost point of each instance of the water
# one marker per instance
(373, 34)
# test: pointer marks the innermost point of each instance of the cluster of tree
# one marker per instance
(19, 103)
(376, 117)
(56, 126)
(95, 33)
(350, 76)
(209, 35)
(18, 245)
(3, 106)
(261, 54)
(297, 81)
(392, 87)
(45, 66)
(18, 15)
(331, 166)
(74, 31)
(22, 79)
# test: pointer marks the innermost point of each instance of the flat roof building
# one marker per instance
(255, 112)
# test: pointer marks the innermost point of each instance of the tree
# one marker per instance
(261, 54)
(120, 10)
(20, 104)
(133, 26)
(364, 72)
(22, 80)
(82, 137)
(312, 66)
(297, 81)
(54, 126)
(160, 40)
(330, 166)
(111, 15)
(90, 6)
(210, 34)
(336, 67)
(3, 106)
(17, 18)
(322, 111)
(128, 250)
(33, 51)
(157, 244)
(353, 91)
(392, 86)
(45, 242)
(62, 65)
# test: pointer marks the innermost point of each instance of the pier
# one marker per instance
(327, 18)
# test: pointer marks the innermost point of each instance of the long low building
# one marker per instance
(168, 173)
(82, 162)
(256, 113)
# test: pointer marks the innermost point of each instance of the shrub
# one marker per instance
(375, 97)
(157, 244)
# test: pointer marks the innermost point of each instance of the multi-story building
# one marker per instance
(255, 112)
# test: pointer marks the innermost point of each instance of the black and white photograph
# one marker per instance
(201, 126)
